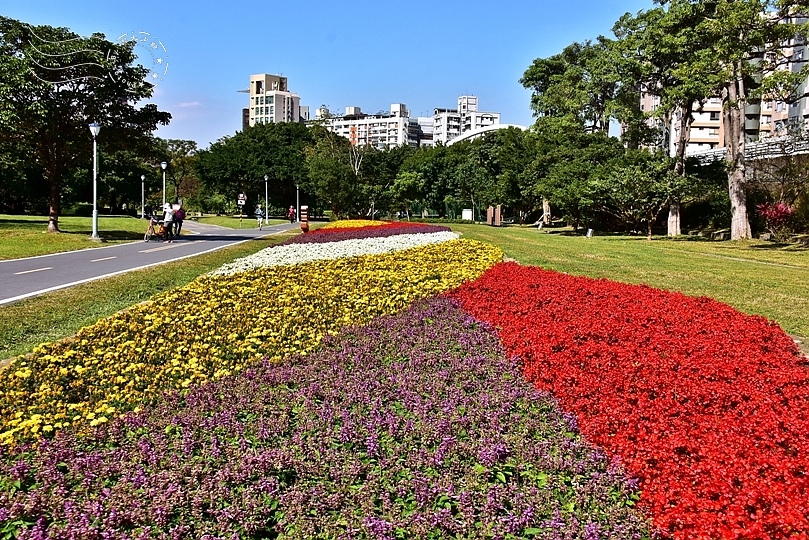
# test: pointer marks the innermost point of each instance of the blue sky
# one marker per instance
(351, 53)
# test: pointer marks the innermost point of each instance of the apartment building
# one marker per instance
(451, 123)
(272, 102)
(384, 129)
(769, 118)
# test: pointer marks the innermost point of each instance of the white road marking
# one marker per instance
(104, 259)
(161, 248)
(32, 271)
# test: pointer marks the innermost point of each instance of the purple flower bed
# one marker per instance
(377, 231)
(415, 426)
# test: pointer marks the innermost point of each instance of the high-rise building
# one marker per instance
(451, 123)
(272, 102)
(384, 129)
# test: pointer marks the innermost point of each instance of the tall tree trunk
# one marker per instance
(673, 224)
(54, 203)
(546, 211)
(733, 121)
(674, 219)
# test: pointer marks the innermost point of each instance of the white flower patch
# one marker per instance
(303, 253)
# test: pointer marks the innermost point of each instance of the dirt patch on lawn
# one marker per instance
(803, 344)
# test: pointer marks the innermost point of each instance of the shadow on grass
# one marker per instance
(777, 246)
(24, 223)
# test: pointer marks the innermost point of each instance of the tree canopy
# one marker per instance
(53, 83)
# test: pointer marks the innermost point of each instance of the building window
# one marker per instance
(262, 101)
(270, 100)
(714, 116)
(766, 119)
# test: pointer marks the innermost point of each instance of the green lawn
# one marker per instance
(755, 277)
(26, 236)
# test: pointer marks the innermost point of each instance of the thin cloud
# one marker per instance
(188, 104)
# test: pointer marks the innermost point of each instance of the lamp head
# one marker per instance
(163, 165)
(94, 129)
(142, 177)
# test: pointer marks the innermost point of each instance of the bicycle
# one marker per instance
(155, 229)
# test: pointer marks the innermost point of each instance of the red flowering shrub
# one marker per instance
(778, 217)
(708, 407)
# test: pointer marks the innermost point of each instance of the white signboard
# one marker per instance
(242, 199)
(466, 214)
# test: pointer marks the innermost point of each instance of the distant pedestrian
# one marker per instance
(168, 222)
(291, 214)
(179, 216)
(259, 216)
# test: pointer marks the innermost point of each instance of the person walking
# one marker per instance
(259, 215)
(179, 216)
(168, 222)
(291, 214)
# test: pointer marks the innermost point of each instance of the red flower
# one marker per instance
(708, 407)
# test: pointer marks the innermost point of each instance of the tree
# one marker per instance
(567, 162)
(407, 188)
(665, 53)
(580, 83)
(506, 156)
(743, 43)
(634, 187)
(379, 171)
(330, 176)
(238, 164)
(182, 160)
(53, 83)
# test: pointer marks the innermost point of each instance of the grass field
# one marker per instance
(755, 277)
(27, 236)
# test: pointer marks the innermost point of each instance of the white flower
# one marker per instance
(302, 253)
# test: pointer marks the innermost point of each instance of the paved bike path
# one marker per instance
(32, 276)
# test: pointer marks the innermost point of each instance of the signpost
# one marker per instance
(241, 201)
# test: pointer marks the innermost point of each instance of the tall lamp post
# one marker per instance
(297, 202)
(94, 129)
(266, 215)
(163, 166)
(143, 196)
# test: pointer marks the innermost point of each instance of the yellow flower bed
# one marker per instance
(352, 224)
(215, 326)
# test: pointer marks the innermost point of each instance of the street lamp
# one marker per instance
(143, 196)
(163, 166)
(297, 203)
(94, 129)
(266, 215)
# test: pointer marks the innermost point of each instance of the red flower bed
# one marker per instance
(708, 407)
